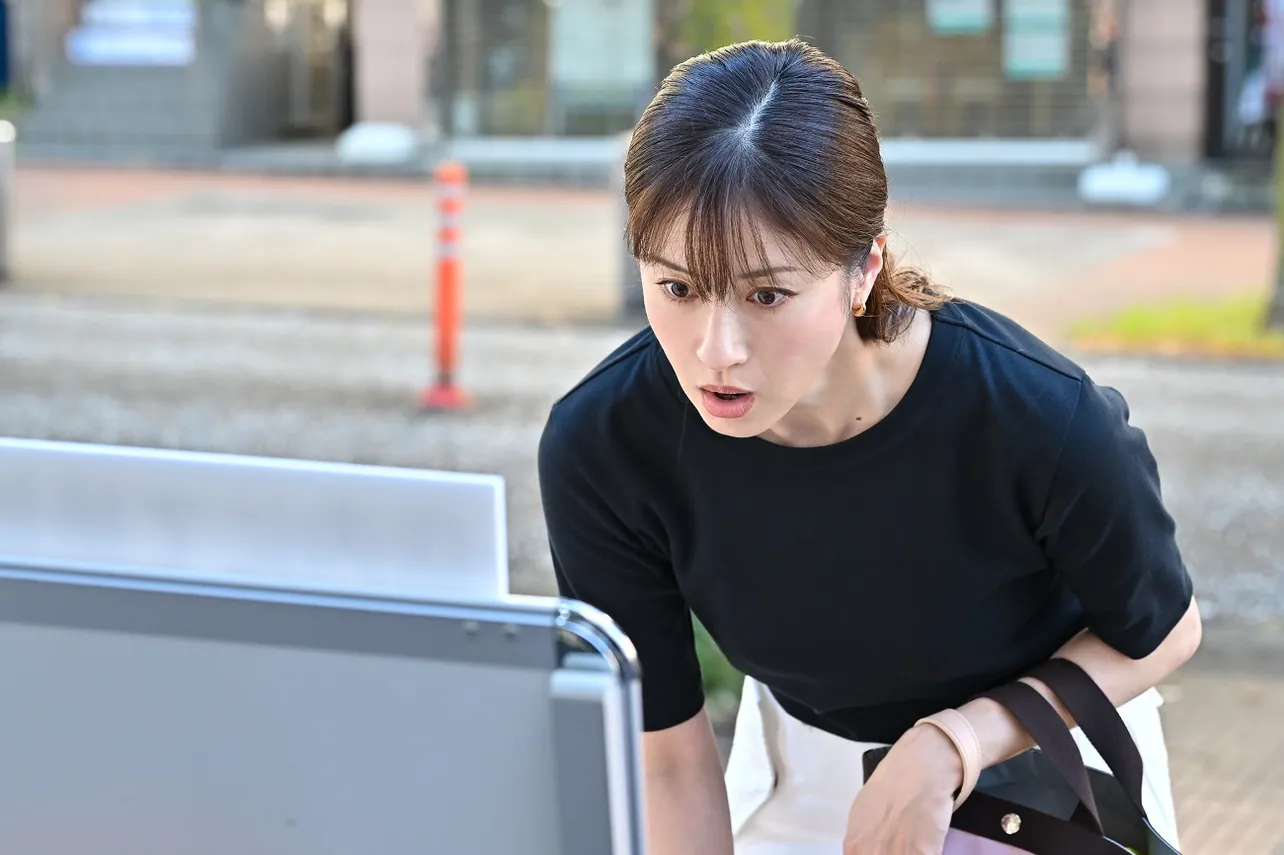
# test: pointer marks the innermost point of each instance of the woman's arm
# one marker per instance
(905, 809)
(685, 792)
(1120, 677)
(601, 559)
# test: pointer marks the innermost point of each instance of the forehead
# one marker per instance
(775, 251)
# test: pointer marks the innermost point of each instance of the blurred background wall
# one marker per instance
(542, 89)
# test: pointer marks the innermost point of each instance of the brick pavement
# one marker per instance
(550, 255)
(1226, 743)
(1222, 716)
(340, 244)
(1076, 264)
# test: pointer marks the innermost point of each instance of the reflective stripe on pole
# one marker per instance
(451, 182)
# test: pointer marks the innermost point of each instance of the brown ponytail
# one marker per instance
(897, 292)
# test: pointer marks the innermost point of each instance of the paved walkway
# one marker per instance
(1222, 718)
(295, 384)
(548, 255)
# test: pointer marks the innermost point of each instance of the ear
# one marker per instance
(864, 279)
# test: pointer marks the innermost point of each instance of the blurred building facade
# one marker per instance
(1012, 89)
(165, 81)
(1237, 120)
(1051, 84)
(570, 68)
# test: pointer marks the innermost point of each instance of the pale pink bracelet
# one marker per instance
(959, 731)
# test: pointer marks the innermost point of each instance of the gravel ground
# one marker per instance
(285, 385)
(345, 388)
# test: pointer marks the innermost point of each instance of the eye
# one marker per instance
(675, 289)
(769, 299)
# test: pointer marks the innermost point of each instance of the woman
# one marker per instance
(880, 501)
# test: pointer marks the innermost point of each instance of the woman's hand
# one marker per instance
(905, 807)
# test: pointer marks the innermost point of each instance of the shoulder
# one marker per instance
(1000, 341)
(619, 397)
(1040, 407)
(1021, 379)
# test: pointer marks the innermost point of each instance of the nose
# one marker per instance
(723, 344)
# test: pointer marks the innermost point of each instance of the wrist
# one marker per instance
(956, 730)
(931, 751)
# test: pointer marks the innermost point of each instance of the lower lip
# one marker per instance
(726, 409)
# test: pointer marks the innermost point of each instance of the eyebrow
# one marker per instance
(752, 274)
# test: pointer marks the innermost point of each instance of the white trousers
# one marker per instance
(790, 785)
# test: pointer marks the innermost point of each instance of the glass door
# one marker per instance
(317, 36)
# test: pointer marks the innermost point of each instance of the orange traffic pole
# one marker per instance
(451, 180)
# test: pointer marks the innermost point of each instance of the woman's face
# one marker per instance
(749, 359)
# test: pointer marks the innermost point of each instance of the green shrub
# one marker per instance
(1232, 326)
(722, 681)
(710, 24)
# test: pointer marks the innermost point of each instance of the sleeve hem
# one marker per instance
(1139, 647)
(674, 716)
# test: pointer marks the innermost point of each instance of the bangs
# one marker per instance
(724, 214)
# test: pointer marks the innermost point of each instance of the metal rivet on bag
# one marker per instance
(1011, 823)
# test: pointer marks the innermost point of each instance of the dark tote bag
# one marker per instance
(1046, 801)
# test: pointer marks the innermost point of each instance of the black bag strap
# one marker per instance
(1027, 830)
(1042, 721)
(1097, 717)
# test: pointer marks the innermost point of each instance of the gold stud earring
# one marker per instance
(858, 310)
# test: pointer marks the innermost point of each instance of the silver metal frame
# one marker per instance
(622, 709)
(593, 668)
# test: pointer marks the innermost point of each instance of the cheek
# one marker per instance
(659, 314)
(805, 341)
(677, 330)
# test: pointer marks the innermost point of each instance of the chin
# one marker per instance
(742, 428)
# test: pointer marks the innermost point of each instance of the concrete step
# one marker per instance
(49, 125)
(116, 101)
(1230, 187)
(134, 109)
(112, 135)
(117, 76)
(151, 153)
(149, 90)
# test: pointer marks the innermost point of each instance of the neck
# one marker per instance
(863, 382)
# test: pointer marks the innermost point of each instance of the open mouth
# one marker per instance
(726, 402)
(726, 393)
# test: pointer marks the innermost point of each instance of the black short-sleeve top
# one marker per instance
(1004, 505)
